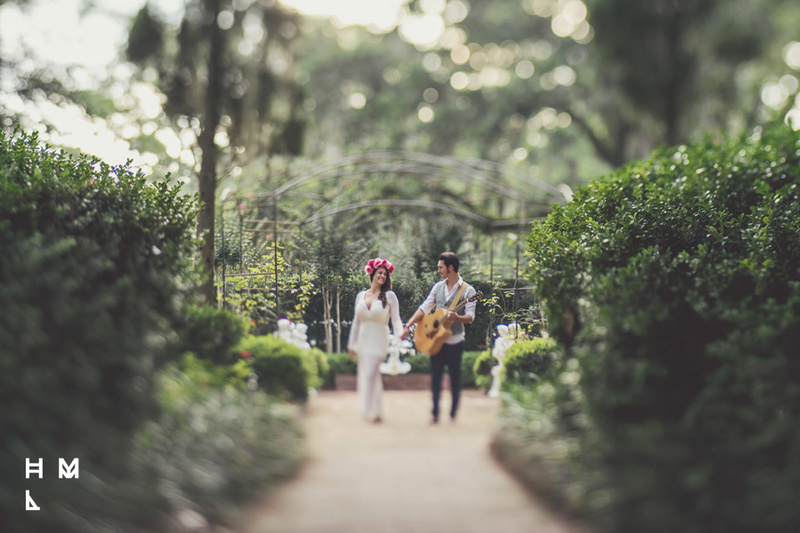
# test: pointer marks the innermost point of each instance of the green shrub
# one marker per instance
(221, 451)
(283, 369)
(527, 360)
(323, 367)
(482, 369)
(467, 366)
(675, 282)
(193, 380)
(93, 262)
(340, 364)
(420, 363)
(211, 333)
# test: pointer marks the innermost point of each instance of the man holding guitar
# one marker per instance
(441, 334)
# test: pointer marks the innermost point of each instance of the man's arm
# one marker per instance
(425, 307)
(418, 314)
(464, 319)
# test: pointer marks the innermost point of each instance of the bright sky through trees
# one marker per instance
(57, 35)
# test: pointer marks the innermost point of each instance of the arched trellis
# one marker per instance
(532, 197)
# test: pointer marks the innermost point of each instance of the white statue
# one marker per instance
(300, 338)
(293, 333)
(394, 365)
(506, 336)
(284, 329)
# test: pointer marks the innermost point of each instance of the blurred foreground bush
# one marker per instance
(211, 334)
(675, 283)
(217, 447)
(94, 262)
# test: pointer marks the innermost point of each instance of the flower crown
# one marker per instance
(377, 263)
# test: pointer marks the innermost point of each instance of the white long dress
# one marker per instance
(369, 338)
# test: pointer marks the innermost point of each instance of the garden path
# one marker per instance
(401, 476)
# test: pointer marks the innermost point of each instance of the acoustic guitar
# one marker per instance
(433, 329)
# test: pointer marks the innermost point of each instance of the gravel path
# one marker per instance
(401, 476)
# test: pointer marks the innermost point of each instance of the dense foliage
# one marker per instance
(91, 276)
(482, 369)
(526, 361)
(676, 284)
(283, 369)
(211, 334)
(219, 450)
(341, 364)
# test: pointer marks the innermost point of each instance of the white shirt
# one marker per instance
(430, 302)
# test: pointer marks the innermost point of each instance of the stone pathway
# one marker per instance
(402, 476)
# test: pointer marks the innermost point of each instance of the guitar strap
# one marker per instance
(458, 295)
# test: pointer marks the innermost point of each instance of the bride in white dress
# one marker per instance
(369, 334)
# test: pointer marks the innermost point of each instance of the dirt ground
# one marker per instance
(401, 476)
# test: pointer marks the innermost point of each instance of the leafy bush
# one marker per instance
(675, 282)
(340, 364)
(283, 369)
(193, 380)
(94, 260)
(211, 454)
(323, 367)
(482, 369)
(526, 361)
(467, 366)
(420, 363)
(211, 333)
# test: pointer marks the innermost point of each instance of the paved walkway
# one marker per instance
(401, 476)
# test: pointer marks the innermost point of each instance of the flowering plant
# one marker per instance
(377, 263)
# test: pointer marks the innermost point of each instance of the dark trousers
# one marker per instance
(449, 355)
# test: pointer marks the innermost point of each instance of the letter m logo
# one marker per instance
(68, 471)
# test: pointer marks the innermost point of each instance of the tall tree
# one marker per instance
(676, 61)
(227, 73)
(578, 86)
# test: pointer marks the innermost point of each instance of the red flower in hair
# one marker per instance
(377, 263)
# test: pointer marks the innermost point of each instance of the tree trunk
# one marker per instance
(326, 304)
(338, 319)
(207, 186)
(676, 72)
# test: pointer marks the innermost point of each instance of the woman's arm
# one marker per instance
(352, 339)
(394, 307)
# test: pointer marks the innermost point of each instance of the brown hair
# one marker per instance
(450, 259)
(387, 285)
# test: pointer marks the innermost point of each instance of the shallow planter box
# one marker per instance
(345, 382)
(399, 382)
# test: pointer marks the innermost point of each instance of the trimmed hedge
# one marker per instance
(676, 283)
(482, 369)
(93, 265)
(528, 360)
(211, 334)
(284, 369)
(467, 368)
(340, 364)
